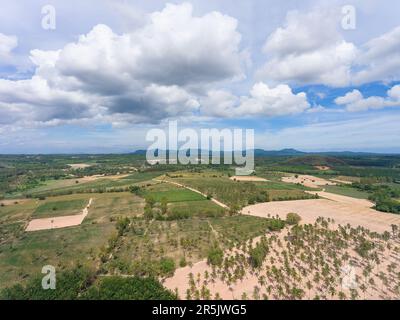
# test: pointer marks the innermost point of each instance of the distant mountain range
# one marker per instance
(285, 152)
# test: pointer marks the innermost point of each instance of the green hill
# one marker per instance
(315, 160)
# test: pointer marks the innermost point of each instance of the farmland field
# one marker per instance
(55, 208)
(239, 193)
(347, 191)
(163, 223)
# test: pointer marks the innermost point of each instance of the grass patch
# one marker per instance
(234, 193)
(59, 208)
(142, 176)
(62, 248)
(146, 243)
(240, 228)
(176, 195)
(202, 209)
(347, 191)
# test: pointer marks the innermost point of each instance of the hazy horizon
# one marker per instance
(132, 151)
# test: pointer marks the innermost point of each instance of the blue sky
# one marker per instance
(112, 70)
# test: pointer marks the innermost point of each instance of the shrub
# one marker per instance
(122, 225)
(182, 262)
(276, 224)
(135, 288)
(292, 218)
(164, 205)
(167, 266)
(258, 254)
(215, 256)
(148, 213)
(135, 190)
(364, 247)
(150, 201)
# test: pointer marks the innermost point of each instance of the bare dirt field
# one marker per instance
(248, 178)
(323, 168)
(96, 177)
(116, 176)
(180, 280)
(13, 201)
(59, 222)
(344, 199)
(90, 178)
(73, 181)
(102, 176)
(238, 280)
(308, 181)
(341, 181)
(342, 209)
(79, 165)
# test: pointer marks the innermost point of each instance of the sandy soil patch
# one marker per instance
(349, 178)
(79, 165)
(117, 176)
(341, 181)
(9, 202)
(308, 181)
(323, 168)
(342, 209)
(234, 291)
(247, 178)
(89, 178)
(343, 199)
(59, 222)
(99, 176)
(202, 275)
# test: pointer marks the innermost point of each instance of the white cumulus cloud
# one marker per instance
(261, 101)
(310, 48)
(7, 45)
(146, 75)
(380, 59)
(355, 101)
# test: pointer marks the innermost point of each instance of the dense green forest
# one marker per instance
(81, 283)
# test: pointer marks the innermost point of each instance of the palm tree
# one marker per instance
(342, 295)
(217, 296)
(309, 287)
(363, 288)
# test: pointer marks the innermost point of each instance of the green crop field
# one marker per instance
(59, 208)
(23, 254)
(241, 193)
(239, 228)
(199, 208)
(347, 191)
(62, 248)
(176, 195)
